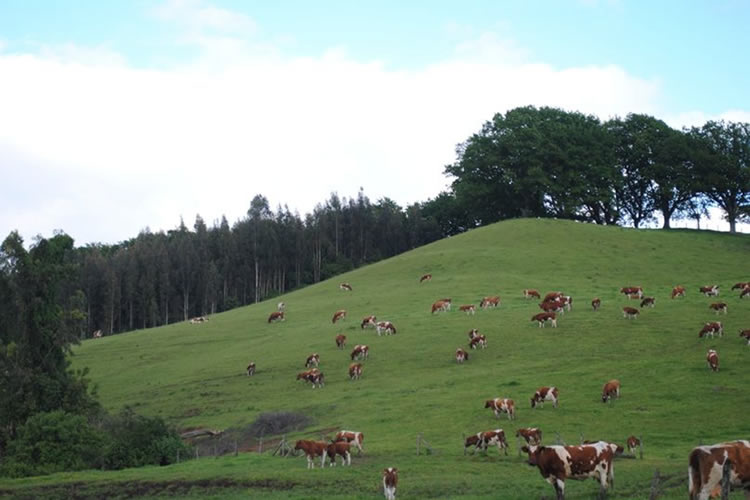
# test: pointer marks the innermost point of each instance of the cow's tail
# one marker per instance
(694, 474)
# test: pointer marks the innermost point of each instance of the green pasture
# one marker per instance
(193, 375)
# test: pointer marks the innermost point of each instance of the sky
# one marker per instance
(124, 115)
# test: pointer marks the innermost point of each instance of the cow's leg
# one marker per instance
(348, 459)
(323, 460)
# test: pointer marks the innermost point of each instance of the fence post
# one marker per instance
(260, 447)
(196, 453)
(726, 472)
(582, 440)
(178, 456)
(655, 486)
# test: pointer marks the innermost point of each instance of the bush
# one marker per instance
(269, 424)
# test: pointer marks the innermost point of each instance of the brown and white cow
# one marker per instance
(345, 286)
(532, 435)
(390, 481)
(280, 306)
(712, 359)
(473, 333)
(611, 390)
(468, 308)
(198, 320)
(312, 449)
(745, 293)
(483, 440)
(338, 315)
(545, 394)
(633, 443)
(529, 293)
(461, 355)
(558, 463)
(355, 371)
(354, 437)
(314, 376)
(250, 369)
(440, 305)
(648, 302)
(710, 290)
(552, 296)
(369, 322)
(341, 449)
(741, 285)
(360, 352)
(678, 291)
(630, 312)
(478, 341)
(276, 316)
(543, 317)
(425, 277)
(552, 306)
(705, 467)
(566, 301)
(97, 334)
(487, 302)
(596, 304)
(340, 341)
(712, 328)
(385, 327)
(718, 307)
(502, 405)
(312, 360)
(746, 335)
(633, 292)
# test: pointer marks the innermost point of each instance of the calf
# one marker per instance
(390, 481)
(596, 304)
(425, 277)
(718, 307)
(440, 305)
(543, 317)
(368, 322)
(741, 285)
(712, 358)
(527, 294)
(314, 376)
(340, 341)
(461, 356)
(345, 286)
(276, 316)
(312, 449)
(632, 291)
(532, 435)
(710, 329)
(545, 394)
(485, 439)
(706, 463)
(338, 315)
(488, 302)
(648, 302)
(360, 352)
(478, 341)
(385, 327)
(502, 405)
(312, 360)
(633, 443)
(746, 335)
(611, 390)
(468, 309)
(250, 369)
(678, 291)
(341, 449)
(353, 437)
(630, 312)
(710, 290)
(355, 371)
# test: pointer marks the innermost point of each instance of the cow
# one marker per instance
(425, 277)
(385, 327)
(360, 352)
(528, 293)
(345, 286)
(341, 314)
(468, 309)
(633, 292)
(718, 307)
(633, 443)
(745, 292)
(532, 435)
(741, 285)
(355, 371)
(461, 355)
(502, 405)
(198, 319)
(276, 316)
(746, 335)
(648, 302)
(610, 390)
(97, 334)
(545, 394)
(354, 437)
(543, 317)
(618, 449)
(341, 449)
(558, 463)
(369, 322)
(678, 291)
(485, 439)
(552, 296)
(710, 290)
(340, 341)
(250, 369)
(473, 333)
(552, 306)
(630, 312)
(313, 449)
(706, 463)
(312, 360)
(390, 481)
(712, 358)
(712, 328)
(314, 376)
(280, 306)
(566, 301)
(596, 304)
(478, 341)
(488, 302)
(441, 305)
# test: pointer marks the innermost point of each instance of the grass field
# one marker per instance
(193, 375)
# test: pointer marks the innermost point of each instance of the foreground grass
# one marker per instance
(193, 375)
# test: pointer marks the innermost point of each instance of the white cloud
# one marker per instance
(698, 118)
(198, 15)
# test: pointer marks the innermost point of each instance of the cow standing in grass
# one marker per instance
(718, 307)
(712, 358)
(341, 449)
(529, 293)
(611, 390)
(596, 304)
(630, 312)
(354, 437)
(710, 329)
(706, 463)
(745, 334)
(461, 355)
(502, 405)
(390, 481)
(678, 291)
(425, 277)
(355, 371)
(276, 316)
(532, 435)
(251, 369)
(313, 450)
(483, 440)
(633, 443)
(338, 315)
(340, 341)
(545, 394)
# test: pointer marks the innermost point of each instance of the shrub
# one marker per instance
(268, 424)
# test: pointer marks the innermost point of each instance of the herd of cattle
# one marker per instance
(558, 462)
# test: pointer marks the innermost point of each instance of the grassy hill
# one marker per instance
(193, 375)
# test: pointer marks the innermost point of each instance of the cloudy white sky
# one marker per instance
(121, 115)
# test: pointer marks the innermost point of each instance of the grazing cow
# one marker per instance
(341, 449)
(390, 481)
(425, 277)
(385, 327)
(488, 302)
(313, 449)
(705, 467)
(355, 371)
(251, 369)
(633, 292)
(441, 305)
(596, 304)
(718, 307)
(543, 317)
(552, 296)
(611, 390)
(338, 315)
(678, 291)
(532, 435)
(312, 360)
(545, 394)
(502, 405)
(552, 306)
(558, 463)
(369, 322)
(710, 290)
(461, 355)
(468, 309)
(345, 286)
(280, 306)
(746, 335)
(360, 352)
(618, 449)
(712, 358)
(314, 376)
(630, 312)
(97, 334)
(473, 333)
(340, 341)
(648, 302)
(198, 320)
(566, 301)
(741, 285)
(276, 316)
(712, 328)
(527, 294)
(354, 437)
(485, 439)
(745, 293)
(478, 341)
(633, 443)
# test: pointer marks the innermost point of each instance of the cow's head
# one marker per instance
(533, 401)
(605, 396)
(533, 452)
(490, 403)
